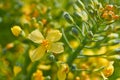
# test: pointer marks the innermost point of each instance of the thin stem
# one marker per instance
(64, 36)
(104, 78)
(79, 70)
(83, 56)
(74, 54)
(79, 30)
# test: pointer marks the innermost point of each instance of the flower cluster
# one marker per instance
(109, 13)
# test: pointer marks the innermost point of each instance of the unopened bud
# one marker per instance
(62, 71)
(75, 31)
(97, 37)
(108, 71)
(52, 57)
(113, 35)
(109, 7)
(80, 4)
(81, 15)
(47, 78)
(68, 18)
(113, 42)
(16, 30)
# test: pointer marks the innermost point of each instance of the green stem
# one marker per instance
(100, 55)
(64, 36)
(74, 55)
(82, 34)
(32, 70)
(79, 70)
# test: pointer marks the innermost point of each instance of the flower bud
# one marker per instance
(80, 4)
(73, 67)
(113, 35)
(16, 70)
(68, 18)
(52, 57)
(75, 31)
(16, 30)
(81, 15)
(47, 78)
(98, 37)
(62, 71)
(114, 41)
(38, 75)
(109, 7)
(108, 71)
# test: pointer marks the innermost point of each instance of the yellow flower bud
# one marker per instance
(62, 71)
(16, 70)
(70, 76)
(74, 44)
(16, 30)
(108, 71)
(38, 75)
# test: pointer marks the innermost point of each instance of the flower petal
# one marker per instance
(16, 70)
(61, 75)
(56, 47)
(54, 35)
(36, 36)
(37, 53)
(63, 69)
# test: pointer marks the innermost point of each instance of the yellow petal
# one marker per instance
(62, 71)
(44, 67)
(61, 75)
(36, 36)
(56, 47)
(16, 70)
(37, 53)
(54, 35)
(38, 75)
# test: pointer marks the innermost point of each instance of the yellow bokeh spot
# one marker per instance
(74, 44)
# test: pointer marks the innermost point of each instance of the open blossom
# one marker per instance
(62, 71)
(38, 75)
(46, 44)
(108, 71)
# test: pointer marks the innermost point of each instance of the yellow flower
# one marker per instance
(16, 70)
(16, 30)
(38, 75)
(46, 44)
(108, 71)
(62, 71)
